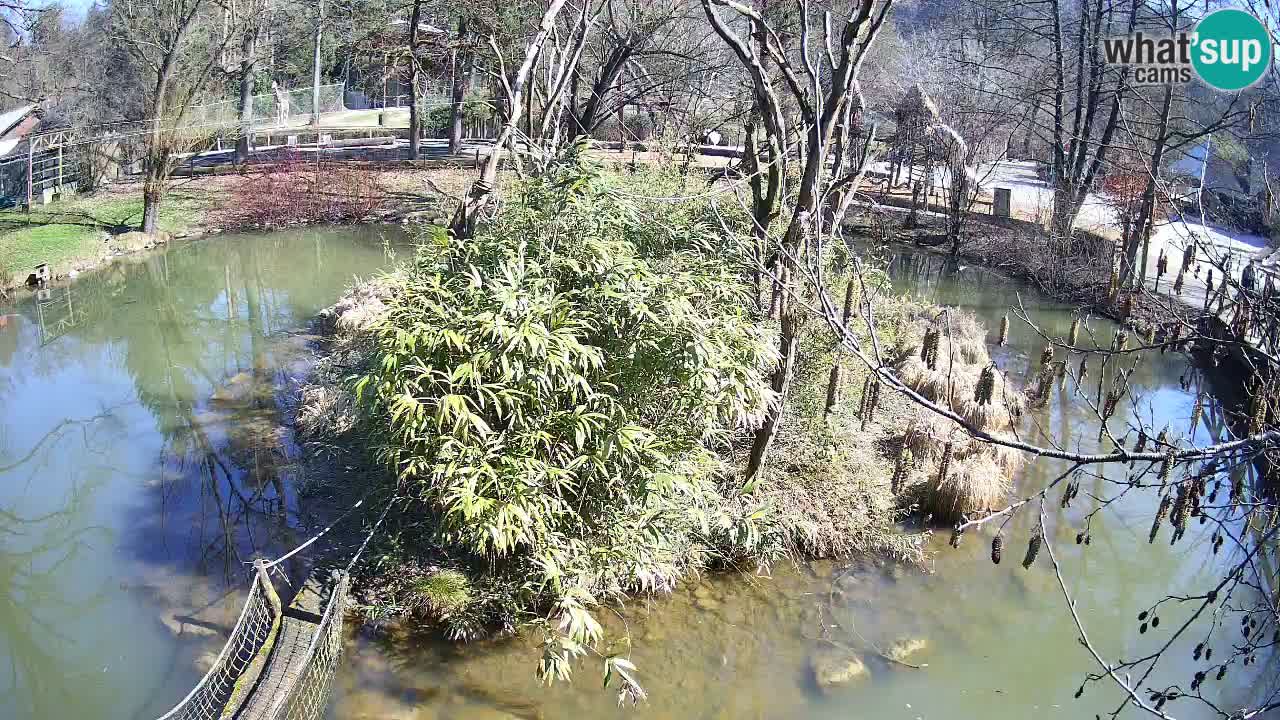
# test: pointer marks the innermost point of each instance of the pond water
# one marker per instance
(1000, 642)
(142, 462)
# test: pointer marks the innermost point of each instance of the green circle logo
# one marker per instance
(1232, 49)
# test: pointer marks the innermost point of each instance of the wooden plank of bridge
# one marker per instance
(283, 670)
(289, 655)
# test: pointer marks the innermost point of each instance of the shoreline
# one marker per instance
(202, 210)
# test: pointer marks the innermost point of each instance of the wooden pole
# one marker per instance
(274, 599)
(31, 151)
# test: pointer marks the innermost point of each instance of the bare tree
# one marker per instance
(176, 53)
(478, 198)
(823, 96)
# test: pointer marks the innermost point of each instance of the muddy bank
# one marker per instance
(1013, 251)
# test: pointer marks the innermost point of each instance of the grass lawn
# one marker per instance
(67, 232)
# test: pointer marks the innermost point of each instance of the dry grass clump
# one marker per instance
(944, 358)
(834, 488)
(968, 486)
(325, 409)
(326, 406)
(358, 308)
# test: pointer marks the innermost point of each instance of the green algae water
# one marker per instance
(143, 462)
(998, 641)
(145, 458)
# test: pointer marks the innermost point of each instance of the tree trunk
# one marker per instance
(1141, 228)
(464, 218)
(315, 67)
(152, 195)
(460, 74)
(248, 65)
(768, 432)
(833, 383)
(415, 113)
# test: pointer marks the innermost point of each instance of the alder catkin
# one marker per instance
(997, 549)
(1161, 512)
(986, 385)
(944, 464)
(1004, 330)
(1033, 546)
(901, 469)
(1166, 468)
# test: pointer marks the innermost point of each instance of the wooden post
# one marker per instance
(261, 566)
(31, 152)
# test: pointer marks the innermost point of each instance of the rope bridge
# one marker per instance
(278, 663)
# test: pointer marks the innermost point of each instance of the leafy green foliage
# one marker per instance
(444, 591)
(475, 108)
(552, 392)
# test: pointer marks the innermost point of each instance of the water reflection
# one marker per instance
(144, 458)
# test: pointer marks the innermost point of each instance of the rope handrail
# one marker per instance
(306, 696)
(219, 665)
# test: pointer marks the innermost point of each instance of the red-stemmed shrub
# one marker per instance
(294, 189)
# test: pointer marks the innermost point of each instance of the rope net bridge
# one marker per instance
(279, 662)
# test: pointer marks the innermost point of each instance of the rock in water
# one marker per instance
(206, 660)
(235, 389)
(833, 668)
(707, 603)
(904, 648)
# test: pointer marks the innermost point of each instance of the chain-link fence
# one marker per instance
(207, 700)
(285, 107)
(309, 695)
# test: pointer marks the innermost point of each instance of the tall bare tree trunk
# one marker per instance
(464, 218)
(248, 66)
(461, 58)
(833, 383)
(315, 66)
(415, 113)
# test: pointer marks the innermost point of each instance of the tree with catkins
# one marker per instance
(1046, 357)
(1033, 546)
(985, 388)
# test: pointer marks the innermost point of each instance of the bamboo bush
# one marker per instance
(552, 392)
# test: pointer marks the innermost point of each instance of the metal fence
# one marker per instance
(207, 700)
(271, 109)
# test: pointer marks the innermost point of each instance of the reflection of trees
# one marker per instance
(35, 551)
(178, 324)
(214, 311)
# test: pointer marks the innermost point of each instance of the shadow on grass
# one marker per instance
(114, 226)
